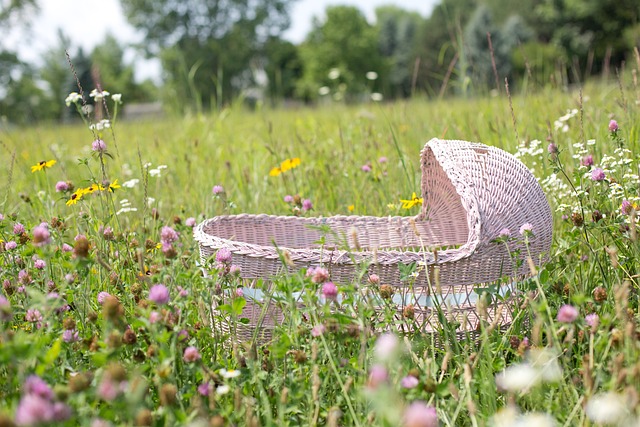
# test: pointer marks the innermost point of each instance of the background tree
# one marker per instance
(207, 46)
(283, 66)
(398, 31)
(343, 41)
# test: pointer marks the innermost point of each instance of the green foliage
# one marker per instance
(346, 42)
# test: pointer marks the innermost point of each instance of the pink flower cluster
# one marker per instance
(38, 405)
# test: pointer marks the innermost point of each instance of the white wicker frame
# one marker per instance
(471, 192)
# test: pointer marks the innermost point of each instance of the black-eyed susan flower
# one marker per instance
(285, 166)
(114, 186)
(415, 200)
(42, 165)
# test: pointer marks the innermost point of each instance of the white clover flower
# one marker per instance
(223, 389)
(376, 97)
(117, 98)
(72, 98)
(231, 373)
(334, 73)
(606, 408)
(324, 90)
(371, 75)
(517, 378)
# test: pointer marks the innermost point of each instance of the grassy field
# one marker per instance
(106, 318)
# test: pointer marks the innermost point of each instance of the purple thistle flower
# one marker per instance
(526, 228)
(190, 222)
(613, 126)
(288, 198)
(159, 294)
(41, 235)
(67, 248)
(366, 168)
(587, 160)
(307, 205)
(99, 145)
(597, 174)
(33, 315)
(626, 207)
(10, 245)
(593, 320)
(39, 264)
(504, 233)
(382, 159)
(567, 314)
(217, 189)
(552, 148)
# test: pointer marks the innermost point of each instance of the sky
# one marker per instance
(106, 16)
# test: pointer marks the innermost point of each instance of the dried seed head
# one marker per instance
(168, 394)
(386, 291)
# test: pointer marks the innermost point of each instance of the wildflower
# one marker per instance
(371, 75)
(39, 264)
(374, 279)
(613, 126)
(505, 233)
(168, 235)
(190, 222)
(191, 354)
(334, 73)
(286, 165)
(382, 160)
(517, 378)
(154, 317)
(409, 382)
(223, 389)
(10, 245)
(37, 386)
(62, 186)
(324, 90)
(5, 309)
(131, 183)
(587, 160)
(159, 294)
(98, 95)
(72, 98)
(419, 414)
(307, 205)
(350, 208)
(385, 346)
(217, 189)
(117, 98)
(33, 315)
(204, 388)
(606, 408)
(597, 174)
(108, 390)
(231, 373)
(113, 186)
(235, 270)
(318, 274)
(99, 145)
(66, 247)
(41, 235)
(288, 198)
(18, 228)
(593, 320)
(415, 200)
(330, 291)
(552, 148)
(567, 314)
(182, 292)
(366, 168)
(75, 197)
(317, 330)
(377, 97)
(102, 296)
(70, 336)
(33, 410)
(626, 207)
(223, 256)
(526, 228)
(43, 165)
(377, 376)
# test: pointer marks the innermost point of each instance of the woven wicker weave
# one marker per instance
(471, 192)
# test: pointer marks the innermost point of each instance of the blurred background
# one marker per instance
(195, 56)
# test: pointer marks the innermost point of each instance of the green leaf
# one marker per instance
(237, 305)
(50, 357)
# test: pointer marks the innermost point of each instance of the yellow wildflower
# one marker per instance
(285, 166)
(351, 208)
(74, 198)
(275, 172)
(42, 165)
(415, 200)
(114, 186)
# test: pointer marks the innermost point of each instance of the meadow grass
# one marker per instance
(89, 335)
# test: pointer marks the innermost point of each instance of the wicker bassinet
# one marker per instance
(471, 192)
